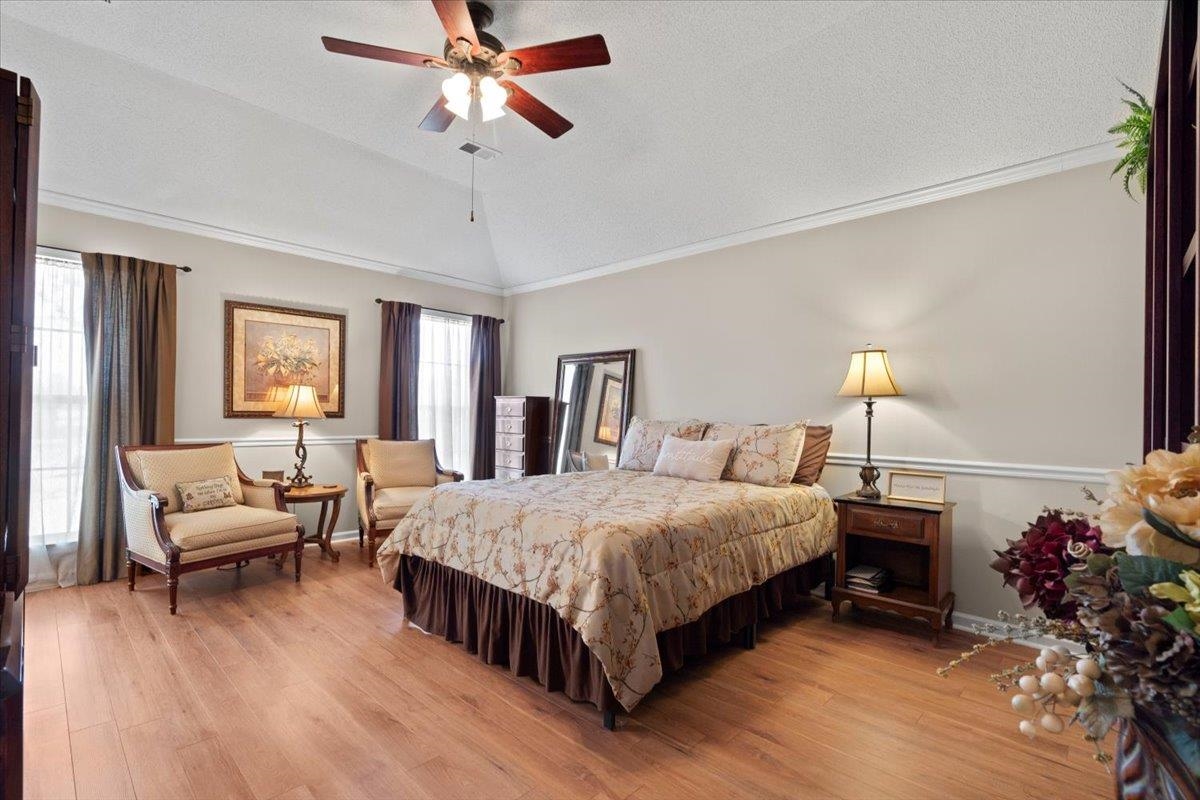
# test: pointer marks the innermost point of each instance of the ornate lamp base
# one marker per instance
(300, 479)
(869, 475)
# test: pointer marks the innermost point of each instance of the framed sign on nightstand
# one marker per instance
(920, 487)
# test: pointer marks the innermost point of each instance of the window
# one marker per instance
(59, 400)
(444, 388)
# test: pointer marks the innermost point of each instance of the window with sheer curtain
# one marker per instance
(444, 388)
(59, 425)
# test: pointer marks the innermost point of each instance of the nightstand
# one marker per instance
(912, 541)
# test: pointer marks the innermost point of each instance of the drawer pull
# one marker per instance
(890, 524)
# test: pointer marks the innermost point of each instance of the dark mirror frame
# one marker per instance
(607, 356)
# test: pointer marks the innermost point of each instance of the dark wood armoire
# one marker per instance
(20, 111)
(1172, 371)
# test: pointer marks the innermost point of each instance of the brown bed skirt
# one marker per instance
(531, 639)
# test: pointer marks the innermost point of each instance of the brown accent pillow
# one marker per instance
(206, 494)
(812, 457)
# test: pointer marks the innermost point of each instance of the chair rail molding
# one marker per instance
(278, 441)
(995, 469)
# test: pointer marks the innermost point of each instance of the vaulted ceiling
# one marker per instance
(714, 118)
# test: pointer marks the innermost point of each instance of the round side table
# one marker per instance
(323, 493)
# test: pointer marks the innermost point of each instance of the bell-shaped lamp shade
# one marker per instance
(492, 97)
(870, 375)
(457, 91)
(275, 396)
(301, 402)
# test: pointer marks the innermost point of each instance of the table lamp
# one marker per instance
(870, 376)
(300, 402)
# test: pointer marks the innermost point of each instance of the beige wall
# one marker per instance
(1013, 318)
(223, 270)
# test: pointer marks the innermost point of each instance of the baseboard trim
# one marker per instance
(1060, 162)
(995, 469)
(968, 622)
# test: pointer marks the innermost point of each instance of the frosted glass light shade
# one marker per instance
(870, 375)
(301, 402)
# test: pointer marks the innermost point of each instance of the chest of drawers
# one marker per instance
(522, 436)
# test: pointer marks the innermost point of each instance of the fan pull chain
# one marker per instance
(472, 219)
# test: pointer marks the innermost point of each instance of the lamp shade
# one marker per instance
(870, 375)
(300, 402)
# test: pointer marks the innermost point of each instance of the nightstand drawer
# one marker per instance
(879, 522)
(510, 441)
(510, 424)
(504, 458)
(510, 407)
(507, 474)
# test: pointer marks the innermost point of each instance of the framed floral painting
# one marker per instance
(271, 347)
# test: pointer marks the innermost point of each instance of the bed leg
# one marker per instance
(750, 636)
(610, 720)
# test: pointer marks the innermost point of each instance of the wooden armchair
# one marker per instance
(392, 477)
(161, 536)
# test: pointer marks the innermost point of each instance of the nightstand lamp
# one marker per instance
(300, 402)
(870, 376)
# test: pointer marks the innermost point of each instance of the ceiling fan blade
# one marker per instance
(456, 19)
(379, 53)
(586, 51)
(549, 121)
(438, 119)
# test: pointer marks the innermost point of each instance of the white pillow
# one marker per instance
(763, 454)
(696, 461)
(643, 440)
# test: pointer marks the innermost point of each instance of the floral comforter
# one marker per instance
(620, 555)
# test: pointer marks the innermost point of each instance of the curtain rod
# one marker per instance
(381, 301)
(77, 252)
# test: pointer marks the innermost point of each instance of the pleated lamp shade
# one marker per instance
(870, 375)
(300, 402)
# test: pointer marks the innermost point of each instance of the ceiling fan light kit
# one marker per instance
(482, 68)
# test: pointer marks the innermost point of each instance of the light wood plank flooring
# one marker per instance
(263, 688)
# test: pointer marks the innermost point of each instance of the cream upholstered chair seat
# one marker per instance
(393, 476)
(217, 526)
(160, 535)
(392, 504)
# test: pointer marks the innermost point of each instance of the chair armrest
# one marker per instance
(449, 476)
(365, 495)
(145, 529)
(263, 494)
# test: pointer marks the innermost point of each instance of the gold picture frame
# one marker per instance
(274, 346)
(917, 486)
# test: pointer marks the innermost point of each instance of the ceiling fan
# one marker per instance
(483, 68)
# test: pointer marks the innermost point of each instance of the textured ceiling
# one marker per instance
(713, 118)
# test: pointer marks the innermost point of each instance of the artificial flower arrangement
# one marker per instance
(1124, 586)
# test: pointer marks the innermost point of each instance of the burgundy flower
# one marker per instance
(1037, 563)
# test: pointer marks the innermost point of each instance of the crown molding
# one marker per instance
(126, 214)
(1080, 157)
(994, 469)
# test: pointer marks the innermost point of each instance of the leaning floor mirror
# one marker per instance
(594, 399)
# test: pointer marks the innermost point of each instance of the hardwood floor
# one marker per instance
(263, 688)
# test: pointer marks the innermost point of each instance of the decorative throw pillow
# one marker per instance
(812, 457)
(696, 461)
(206, 494)
(162, 470)
(643, 440)
(763, 454)
(402, 463)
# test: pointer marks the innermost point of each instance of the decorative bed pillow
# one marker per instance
(812, 457)
(206, 494)
(644, 438)
(696, 461)
(763, 454)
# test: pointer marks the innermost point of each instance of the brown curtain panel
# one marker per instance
(485, 385)
(129, 339)
(399, 355)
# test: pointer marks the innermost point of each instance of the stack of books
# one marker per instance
(865, 578)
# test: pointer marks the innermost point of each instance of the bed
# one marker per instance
(596, 583)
